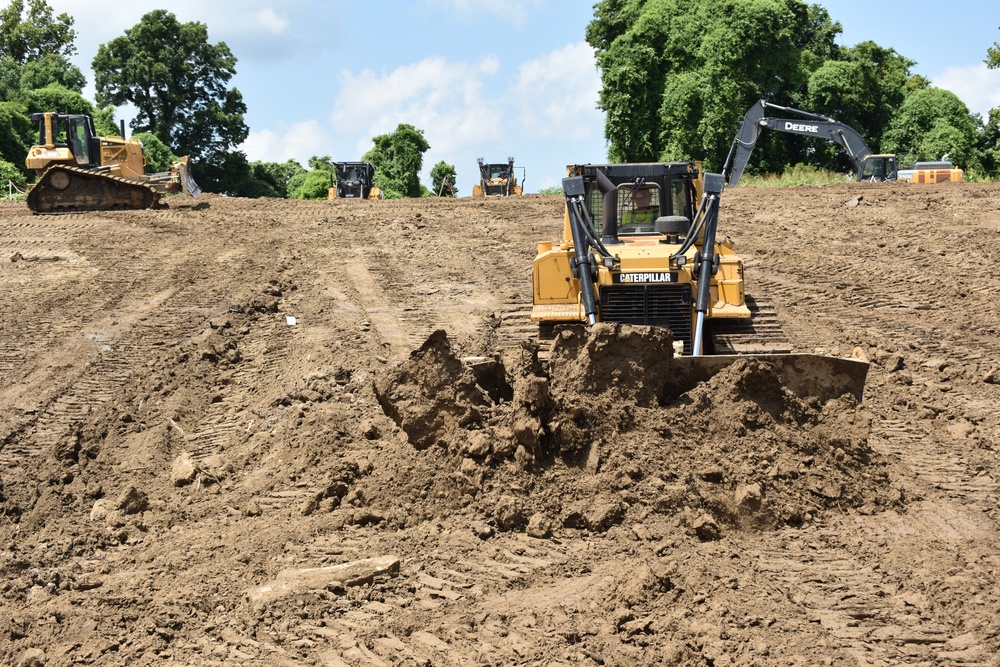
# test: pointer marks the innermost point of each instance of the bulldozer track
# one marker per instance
(88, 190)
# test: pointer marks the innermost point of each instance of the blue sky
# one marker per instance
(482, 78)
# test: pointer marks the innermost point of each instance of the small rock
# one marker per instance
(482, 530)
(748, 497)
(712, 474)
(184, 470)
(478, 444)
(540, 526)
(100, 509)
(132, 501)
(706, 528)
(33, 657)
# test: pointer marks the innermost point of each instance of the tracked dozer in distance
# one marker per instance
(498, 180)
(666, 270)
(353, 180)
(79, 171)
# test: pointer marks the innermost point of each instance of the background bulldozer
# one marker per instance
(640, 246)
(353, 180)
(79, 171)
(498, 180)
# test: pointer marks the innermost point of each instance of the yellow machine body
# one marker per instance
(79, 171)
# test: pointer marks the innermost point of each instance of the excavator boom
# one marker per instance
(808, 124)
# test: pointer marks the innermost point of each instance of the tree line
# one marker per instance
(179, 84)
(678, 75)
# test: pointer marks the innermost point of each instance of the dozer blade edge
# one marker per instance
(188, 185)
(806, 375)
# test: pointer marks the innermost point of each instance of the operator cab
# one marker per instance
(879, 168)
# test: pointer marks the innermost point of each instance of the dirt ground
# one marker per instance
(267, 432)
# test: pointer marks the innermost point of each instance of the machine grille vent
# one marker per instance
(655, 305)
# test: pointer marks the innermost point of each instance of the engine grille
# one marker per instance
(655, 305)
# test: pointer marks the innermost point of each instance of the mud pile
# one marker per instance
(595, 438)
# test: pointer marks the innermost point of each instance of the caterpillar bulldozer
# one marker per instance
(353, 180)
(79, 171)
(498, 179)
(618, 263)
(867, 166)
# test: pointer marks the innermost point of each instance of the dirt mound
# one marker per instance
(739, 450)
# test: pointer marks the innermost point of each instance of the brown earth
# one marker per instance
(262, 432)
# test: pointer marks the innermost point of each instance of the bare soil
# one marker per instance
(268, 432)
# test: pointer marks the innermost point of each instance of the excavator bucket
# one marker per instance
(188, 186)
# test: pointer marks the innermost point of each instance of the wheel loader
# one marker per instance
(617, 263)
(353, 180)
(498, 180)
(79, 171)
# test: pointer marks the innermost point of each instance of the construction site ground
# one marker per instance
(269, 432)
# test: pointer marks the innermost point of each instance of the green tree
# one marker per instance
(992, 59)
(51, 69)
(177, 81)
(398, 158)
(321, 162)
(29, 37)
(16, 134)
(276, 175)
(8, 172)
(441, 174)
(314, 185)
(158, 155)
(10, 79)
(988, 148)
(678, 75)
(933, 122)
(55, 97)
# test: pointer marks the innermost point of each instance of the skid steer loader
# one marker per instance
(79, 171)
(666, 267)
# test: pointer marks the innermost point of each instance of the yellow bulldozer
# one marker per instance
(640, 246)
(353, 180)
(79, 171)
(498, 180)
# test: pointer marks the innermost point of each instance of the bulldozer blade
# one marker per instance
(188, 186)
(806, 375)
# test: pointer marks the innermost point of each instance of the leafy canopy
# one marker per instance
(398, 158)
(443, 180)
(28, 37)
(678, 76)
(177, 81)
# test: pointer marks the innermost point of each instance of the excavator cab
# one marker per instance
(879, 168)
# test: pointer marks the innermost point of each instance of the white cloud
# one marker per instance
(557, 95)
(976, 85)
(299, 141)
(267, 21)
(441, 98)
(515, 11)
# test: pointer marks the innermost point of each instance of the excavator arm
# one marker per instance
(809, 125)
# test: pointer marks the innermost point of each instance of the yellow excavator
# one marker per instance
(79, 171)
(640, 246)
